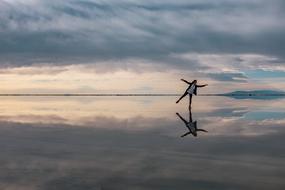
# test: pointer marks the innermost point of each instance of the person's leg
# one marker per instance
(181, 118)
(190, 101)
(190, 115)
(181, 97)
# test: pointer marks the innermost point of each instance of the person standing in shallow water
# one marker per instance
(192, 89)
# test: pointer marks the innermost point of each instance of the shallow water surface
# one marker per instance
(135, 143)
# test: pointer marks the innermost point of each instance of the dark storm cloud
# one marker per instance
(59, 31)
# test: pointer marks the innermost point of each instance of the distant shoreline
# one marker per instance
(119, 94)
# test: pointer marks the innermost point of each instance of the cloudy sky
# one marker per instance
(140, 46)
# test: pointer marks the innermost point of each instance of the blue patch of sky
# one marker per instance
(264, 74)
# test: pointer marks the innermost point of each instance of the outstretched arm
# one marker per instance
(203, 85)
(201, 130)
(186, 81)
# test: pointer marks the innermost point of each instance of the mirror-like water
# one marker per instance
(135, 143)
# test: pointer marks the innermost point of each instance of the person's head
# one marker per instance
(194, 81)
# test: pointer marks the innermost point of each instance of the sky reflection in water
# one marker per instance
(134, 143)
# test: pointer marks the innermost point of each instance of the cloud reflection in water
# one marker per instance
(141, 151)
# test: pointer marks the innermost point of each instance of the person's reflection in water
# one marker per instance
(191, 126)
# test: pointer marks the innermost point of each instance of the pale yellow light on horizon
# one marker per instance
(78, 79)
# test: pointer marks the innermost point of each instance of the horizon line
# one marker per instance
(136, 94)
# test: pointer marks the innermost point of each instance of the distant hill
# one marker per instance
(256, 94)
